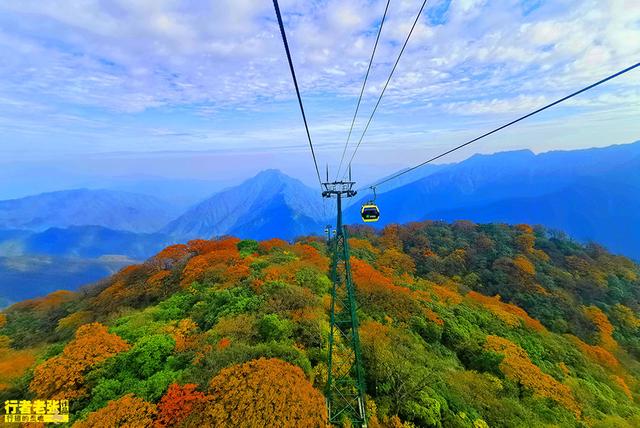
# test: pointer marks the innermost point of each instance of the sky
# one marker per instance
(95, 90)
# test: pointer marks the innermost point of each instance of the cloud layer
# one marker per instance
(157, 74)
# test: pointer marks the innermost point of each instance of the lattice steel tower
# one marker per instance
(345, 382)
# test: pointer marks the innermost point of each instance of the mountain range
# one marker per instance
(112, 209)
(591, 194)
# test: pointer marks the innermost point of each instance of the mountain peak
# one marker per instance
(269, 177)
(503, 156)
(270, 203)
(271, 172)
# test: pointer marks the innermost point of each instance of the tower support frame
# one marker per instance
(345, 389)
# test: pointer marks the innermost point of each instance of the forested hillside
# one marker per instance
(462, 325)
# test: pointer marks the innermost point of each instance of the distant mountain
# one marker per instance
(271, 204)
(108, 208)
(591, 194)
(36, 263)
(408, 176)
(589, 211)
(83, 241)
(179, 192)
(25, 277)
(32, 263)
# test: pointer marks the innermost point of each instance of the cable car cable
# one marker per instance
(606, 79)
(295, 83)
(366, 76)
(375, 108)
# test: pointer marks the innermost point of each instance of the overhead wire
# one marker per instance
(364, 84)
(295, 83)
(486, 134)
(395, 65)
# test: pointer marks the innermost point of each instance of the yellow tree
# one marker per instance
(517, 365)
(128, 411)
(62, 377)
(605, 329)
(263, 393)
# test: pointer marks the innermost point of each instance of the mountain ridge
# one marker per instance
(486, 180)
(554, 188)
(82, 207)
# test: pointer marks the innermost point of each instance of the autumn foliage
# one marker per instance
(173, 252)
(178, 403)
(596, 353)
(203, 246)
(13, 364)
(264, 392)
(517, 365)
(268, 245)
(62, 377)
(311, 255)
(374, 289)
(461, 324)
(511, 314)
(48, 302)
(524, 265)
(128, 411)
(447, 294)
(124, 288)
(185, 333)
(605, 329)
(623, 386)
(220, 263)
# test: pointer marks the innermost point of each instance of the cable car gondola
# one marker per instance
(370, 211)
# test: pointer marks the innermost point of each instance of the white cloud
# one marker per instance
(65, 60)
(131, 56)
(519, 104)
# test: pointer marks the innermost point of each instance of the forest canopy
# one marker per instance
(462, 325)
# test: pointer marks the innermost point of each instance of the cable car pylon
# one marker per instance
(345, 381)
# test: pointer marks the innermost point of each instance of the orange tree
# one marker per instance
(263, 392)
(127, 411)
(177, 404)
(63, 376)
(517, 365)
(377, 292)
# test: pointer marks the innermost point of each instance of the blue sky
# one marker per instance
(201, 90)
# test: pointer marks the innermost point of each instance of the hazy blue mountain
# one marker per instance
(591, 194)
(179, 192)
(267, 222)
(37, 263)
(25, 277)
(271, 204)
(80, 207)
(408, 177)
(83, 242)
(587, 211)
